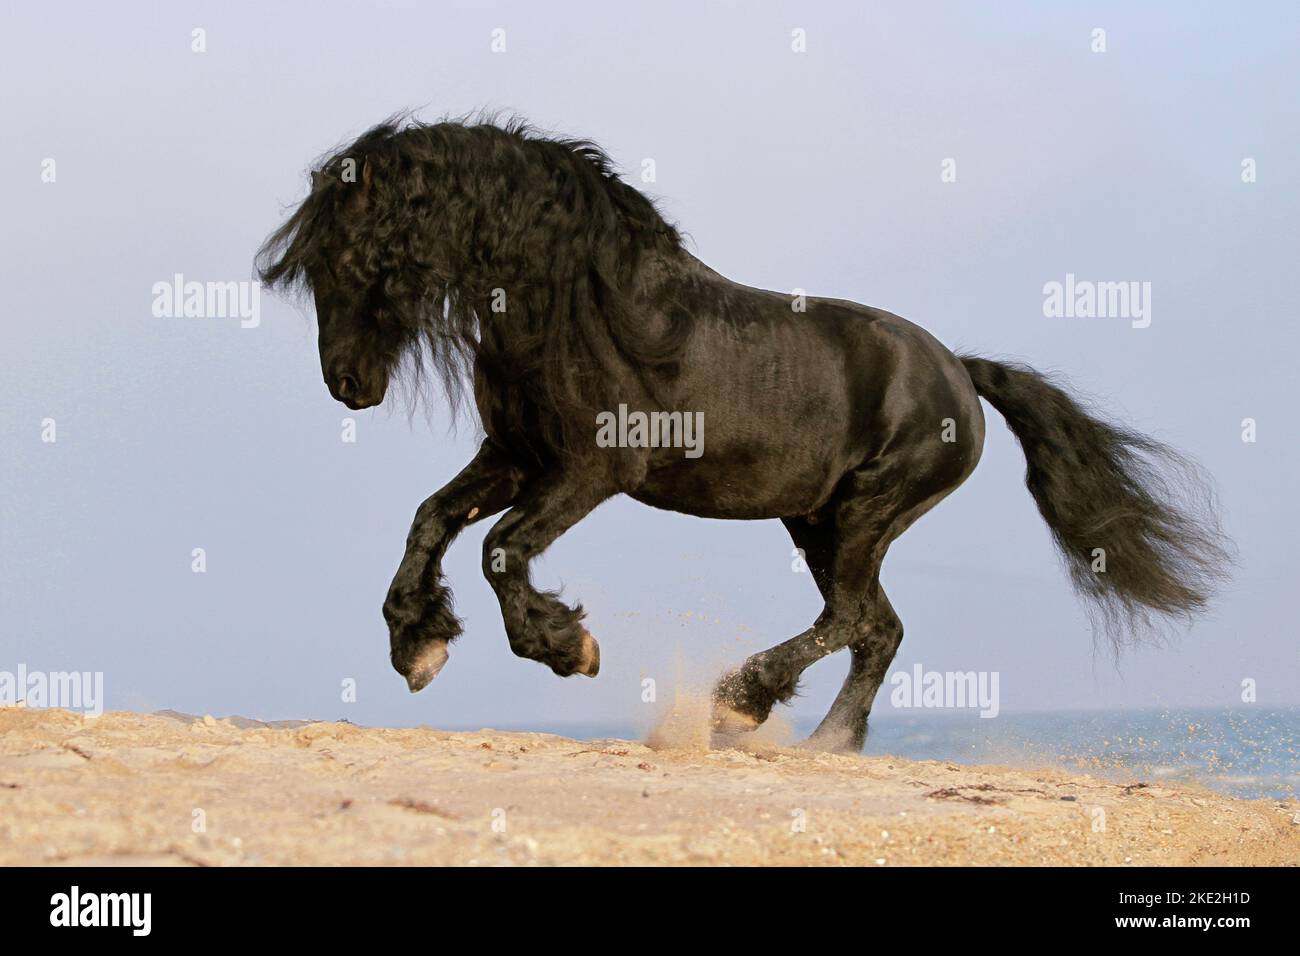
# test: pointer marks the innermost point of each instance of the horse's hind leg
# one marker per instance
(735, 696)
(877, 635)
(816, 542)
(843, 551)
(844, 728)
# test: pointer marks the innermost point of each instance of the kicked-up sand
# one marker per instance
(127, 788)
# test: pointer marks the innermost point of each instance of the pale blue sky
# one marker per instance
(817, 170)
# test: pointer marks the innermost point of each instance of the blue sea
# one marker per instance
(1250, 752)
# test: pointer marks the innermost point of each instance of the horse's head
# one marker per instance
(367, 312)
(361, 338)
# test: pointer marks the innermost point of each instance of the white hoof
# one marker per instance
(427, 666)
(590, 665)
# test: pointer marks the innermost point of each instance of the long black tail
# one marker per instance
(1133, 518)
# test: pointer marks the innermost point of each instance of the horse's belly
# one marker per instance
(724, 487)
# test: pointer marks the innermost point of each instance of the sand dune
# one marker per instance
(129, 788)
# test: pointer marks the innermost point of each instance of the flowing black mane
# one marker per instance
(487, 245)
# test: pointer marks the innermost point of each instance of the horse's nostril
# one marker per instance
(346, 386)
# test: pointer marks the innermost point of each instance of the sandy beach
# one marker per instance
(127, 788)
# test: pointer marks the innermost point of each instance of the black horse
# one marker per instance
(522, 264)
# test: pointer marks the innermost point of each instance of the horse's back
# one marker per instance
(795, 394)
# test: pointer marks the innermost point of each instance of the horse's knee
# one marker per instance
(429, 511)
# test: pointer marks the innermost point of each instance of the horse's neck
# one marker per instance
(507, 345)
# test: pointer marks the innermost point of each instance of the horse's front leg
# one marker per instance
(418, 606)
(538, 625)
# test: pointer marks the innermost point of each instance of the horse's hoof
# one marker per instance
(831, 744)
(590, 663)
(728, 720)
(426, 666)
(838, 737)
